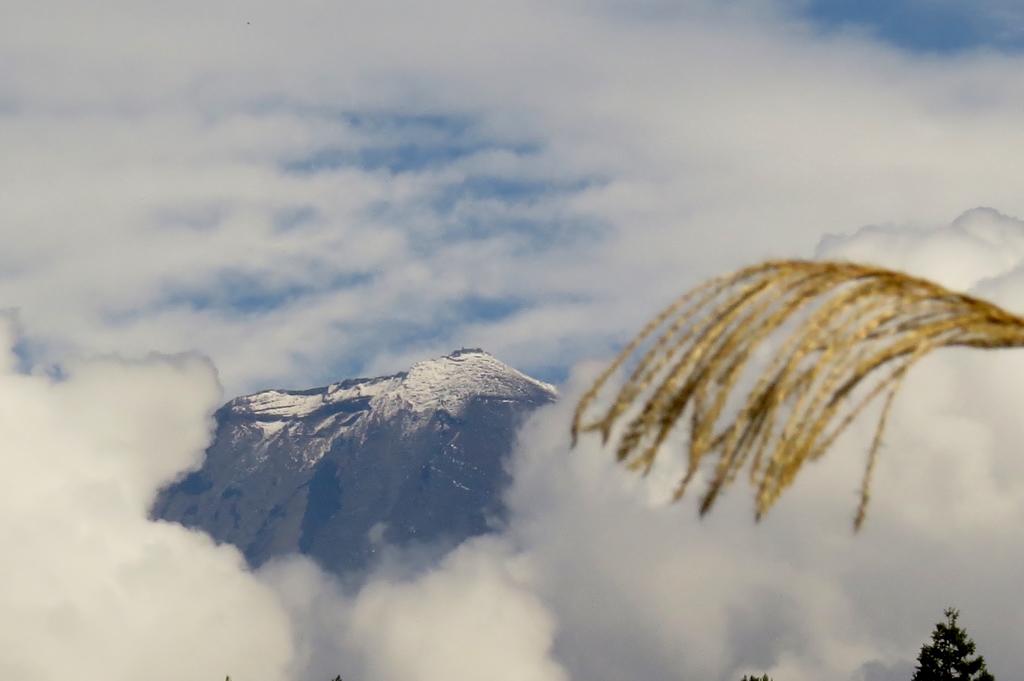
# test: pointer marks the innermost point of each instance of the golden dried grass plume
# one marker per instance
(827, 326)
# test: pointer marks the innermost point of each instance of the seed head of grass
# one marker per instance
(845, 326)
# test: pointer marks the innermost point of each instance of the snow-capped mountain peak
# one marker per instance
(421, 454)
(442, 383)
(446, 383)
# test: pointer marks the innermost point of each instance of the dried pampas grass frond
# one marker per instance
(841, 322)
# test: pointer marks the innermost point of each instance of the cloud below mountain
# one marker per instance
(89, 587)
(636, 587)
(596, 575)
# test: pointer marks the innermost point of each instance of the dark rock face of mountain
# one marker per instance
(337, 471)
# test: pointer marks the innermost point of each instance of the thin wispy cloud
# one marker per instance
(320, 190)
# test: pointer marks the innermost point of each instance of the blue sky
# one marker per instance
(942, 27)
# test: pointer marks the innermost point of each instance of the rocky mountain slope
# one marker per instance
(337, 472)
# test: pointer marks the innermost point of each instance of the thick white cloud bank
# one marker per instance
(648, 591)
(598, 578)
(90, 589)
(476, 615)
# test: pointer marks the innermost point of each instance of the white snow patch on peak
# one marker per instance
(289, 404)
(271, 428)
(444, 383)
(279, 403)
(447, 382)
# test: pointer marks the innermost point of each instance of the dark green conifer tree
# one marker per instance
(950, 655)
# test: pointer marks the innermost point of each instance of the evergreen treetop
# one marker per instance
(950, 655)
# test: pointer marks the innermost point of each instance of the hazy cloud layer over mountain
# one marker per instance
(309, 191)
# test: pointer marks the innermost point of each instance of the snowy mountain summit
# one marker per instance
(415, 457)
(446, 383)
